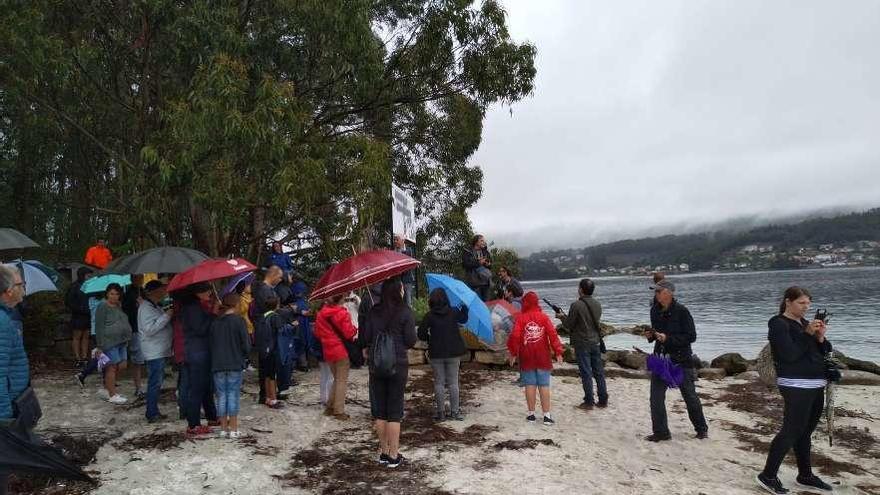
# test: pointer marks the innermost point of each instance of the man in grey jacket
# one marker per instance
(582, 324)
(156, 332)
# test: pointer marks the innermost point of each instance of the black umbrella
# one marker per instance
(27, 452)
(13, 239)
(158, 260)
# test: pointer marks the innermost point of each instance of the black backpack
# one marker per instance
(383, 353)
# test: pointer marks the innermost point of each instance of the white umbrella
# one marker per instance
(35, 280)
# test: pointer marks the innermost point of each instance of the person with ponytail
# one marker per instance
(393, 317)
(798, 347)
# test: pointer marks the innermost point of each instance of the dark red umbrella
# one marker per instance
(361, 270)
(213, 269)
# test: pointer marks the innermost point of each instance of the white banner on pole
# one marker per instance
(403, 214)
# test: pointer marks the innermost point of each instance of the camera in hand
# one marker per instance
(823, 315)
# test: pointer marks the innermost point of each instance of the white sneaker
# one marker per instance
(117, 399)
(235, 434)
(224, 433)
(104, 394)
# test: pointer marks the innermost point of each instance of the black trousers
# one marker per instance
(691, 400)
(386, 395)
(201, 391)
(803, 409)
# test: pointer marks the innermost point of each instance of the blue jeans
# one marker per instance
(590, 365)
(117, 354)
(408, 289)
(446, 375)
(155, 377)
(227, 384)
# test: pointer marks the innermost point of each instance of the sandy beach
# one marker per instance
(494, 450)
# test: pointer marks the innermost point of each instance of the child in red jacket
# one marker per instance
(532, 340)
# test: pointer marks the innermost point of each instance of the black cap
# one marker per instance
(153, 285)
(663, 284)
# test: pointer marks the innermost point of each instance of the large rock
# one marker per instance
(732, 362)
(857, 364)
(568, 355)
(712, 373)
(614, 372)
(857, 377)
(611, 356)
(632, 360)
(486, 357)
(751, 376)
(764, 366)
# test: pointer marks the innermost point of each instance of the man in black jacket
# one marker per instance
(672, 330)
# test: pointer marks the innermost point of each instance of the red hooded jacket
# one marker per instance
(533, 337)
(330, 322)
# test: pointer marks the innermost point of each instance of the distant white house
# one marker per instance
(757, 248)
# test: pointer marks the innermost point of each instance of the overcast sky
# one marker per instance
(654, 116)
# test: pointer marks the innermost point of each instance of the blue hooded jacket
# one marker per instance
(14, 371)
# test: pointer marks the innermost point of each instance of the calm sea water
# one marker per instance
(731, 309)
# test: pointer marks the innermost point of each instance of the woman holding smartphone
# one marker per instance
(798, 347)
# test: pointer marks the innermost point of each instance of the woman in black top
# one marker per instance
(798, 347)
(440, 329)
(386, 393)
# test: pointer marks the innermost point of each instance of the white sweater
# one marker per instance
(155, 331)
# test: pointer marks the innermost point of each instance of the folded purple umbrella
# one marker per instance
(234, 281)
(663, 368)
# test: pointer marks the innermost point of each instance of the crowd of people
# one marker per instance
(213, 340)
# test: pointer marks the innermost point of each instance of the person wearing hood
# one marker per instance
(332, 325)
(279, 258)
(440, 329)
(530, 343)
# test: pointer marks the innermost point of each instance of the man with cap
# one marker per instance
(154, 323)
(673, 332)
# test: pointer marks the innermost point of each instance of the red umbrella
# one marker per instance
(213, 269)
(360, 270)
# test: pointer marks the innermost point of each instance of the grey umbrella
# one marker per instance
(13, 239)
(157, 260)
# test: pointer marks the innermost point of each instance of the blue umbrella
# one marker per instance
(100, 283)
(479, 318)
(234, 281)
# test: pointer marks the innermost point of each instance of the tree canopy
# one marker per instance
(219, 124)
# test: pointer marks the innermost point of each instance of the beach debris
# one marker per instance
(529, 443)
